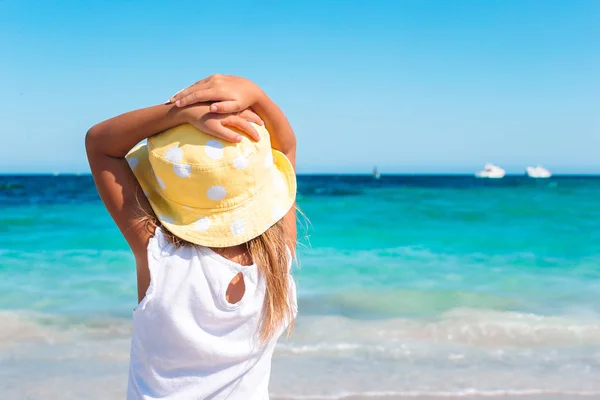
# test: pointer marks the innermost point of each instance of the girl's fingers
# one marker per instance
(202, 84)
(178, 95)
(193, 96)
(202, 81)
(251, 116)
(210, 81)
(220, 131)
(172, 98)
(230, 135)
(243, 125)
(226, 107)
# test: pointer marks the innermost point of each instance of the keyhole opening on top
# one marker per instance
(236, 289)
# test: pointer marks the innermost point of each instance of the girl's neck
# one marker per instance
(238, 254)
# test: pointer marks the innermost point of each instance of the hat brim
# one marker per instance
(223, 228)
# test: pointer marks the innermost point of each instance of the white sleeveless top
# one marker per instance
(188, 341)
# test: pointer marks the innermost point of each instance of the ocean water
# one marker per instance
(409, 286)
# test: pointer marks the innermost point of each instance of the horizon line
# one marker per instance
(461, 174)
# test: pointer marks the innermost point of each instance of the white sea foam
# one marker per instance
(472, 327)
(463, 353)
(19, 328)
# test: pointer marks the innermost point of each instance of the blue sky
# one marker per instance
(412, 86)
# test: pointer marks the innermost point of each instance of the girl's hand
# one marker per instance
(219, 125)
(228, 94)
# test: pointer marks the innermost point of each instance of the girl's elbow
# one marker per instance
(290, 149)
(92, 139)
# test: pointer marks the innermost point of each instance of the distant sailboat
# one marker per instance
(376, 173)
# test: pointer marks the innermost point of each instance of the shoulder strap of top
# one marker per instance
(158, 246)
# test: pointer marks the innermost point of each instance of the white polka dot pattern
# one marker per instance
(240, 162)
(238, 227)
(202, 224)
(160, 182)
(174, 154)
(214, 149)
(199, 181)
(216, 193)
(182, 170)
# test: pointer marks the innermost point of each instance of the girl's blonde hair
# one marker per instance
(270, 253)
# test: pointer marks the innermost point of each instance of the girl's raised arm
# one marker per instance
(108, 142)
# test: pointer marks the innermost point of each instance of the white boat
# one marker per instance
(491, 171)
(376, 173)
(538, 172)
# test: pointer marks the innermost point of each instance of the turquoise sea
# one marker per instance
(409, 286)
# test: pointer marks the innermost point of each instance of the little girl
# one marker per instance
(207, 206)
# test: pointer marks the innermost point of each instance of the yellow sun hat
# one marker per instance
(211, 192)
